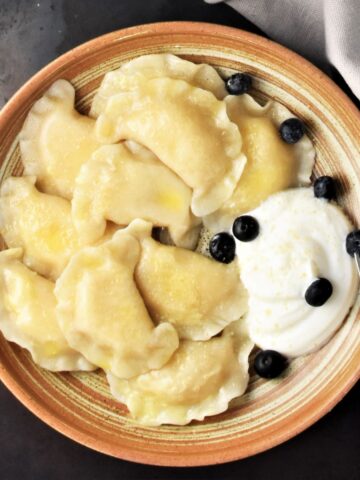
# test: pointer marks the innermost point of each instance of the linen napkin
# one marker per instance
(327, 32)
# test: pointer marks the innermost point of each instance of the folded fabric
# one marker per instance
(324, 31)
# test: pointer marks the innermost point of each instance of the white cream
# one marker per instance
(301, 238)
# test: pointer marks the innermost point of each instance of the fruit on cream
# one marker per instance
(301, 239)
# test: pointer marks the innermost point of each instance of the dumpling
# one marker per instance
(156, 65)
(56, 140)
(187, 128)
(199, 380)
(27, 315)
(196, 294)
(168, 65)
(115, 184)
(102, 314)
(272, 165)
(39, 223)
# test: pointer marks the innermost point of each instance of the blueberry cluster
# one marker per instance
(222, 245)
(269, 363)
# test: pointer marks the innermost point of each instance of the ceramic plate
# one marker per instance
(79, 404)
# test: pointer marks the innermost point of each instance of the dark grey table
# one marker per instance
(33, 32)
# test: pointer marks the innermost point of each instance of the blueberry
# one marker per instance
(246, 228)
(318, 292)
(292, 130)
(238, 83)
(324, 187)
(353, 243)
(269, 363)
(222, 247)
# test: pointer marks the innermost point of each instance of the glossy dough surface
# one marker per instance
(196, 294)
(200, 380)
(120, 185)
(165, 149)
(27, 315)
(187, 128)
(102, 314)
(39, 223)
(56, 140)
(272, 165)
(162, 65)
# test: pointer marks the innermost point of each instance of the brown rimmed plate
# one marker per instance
(79, 405)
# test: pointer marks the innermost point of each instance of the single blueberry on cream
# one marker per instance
(318, 292)
(246, 228)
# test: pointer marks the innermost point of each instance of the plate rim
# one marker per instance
(233, 452)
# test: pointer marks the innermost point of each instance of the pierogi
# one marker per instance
(117, 185)
(27, 315)
(272, 165)
(102, 314)
(187, 128)
(199, 380)
(167, 149)
(161, 65)
(56, 140)
(39, 223)
(196, 294)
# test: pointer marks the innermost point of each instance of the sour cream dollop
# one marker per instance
(301, 238)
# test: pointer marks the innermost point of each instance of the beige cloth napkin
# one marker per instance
(324, 31)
